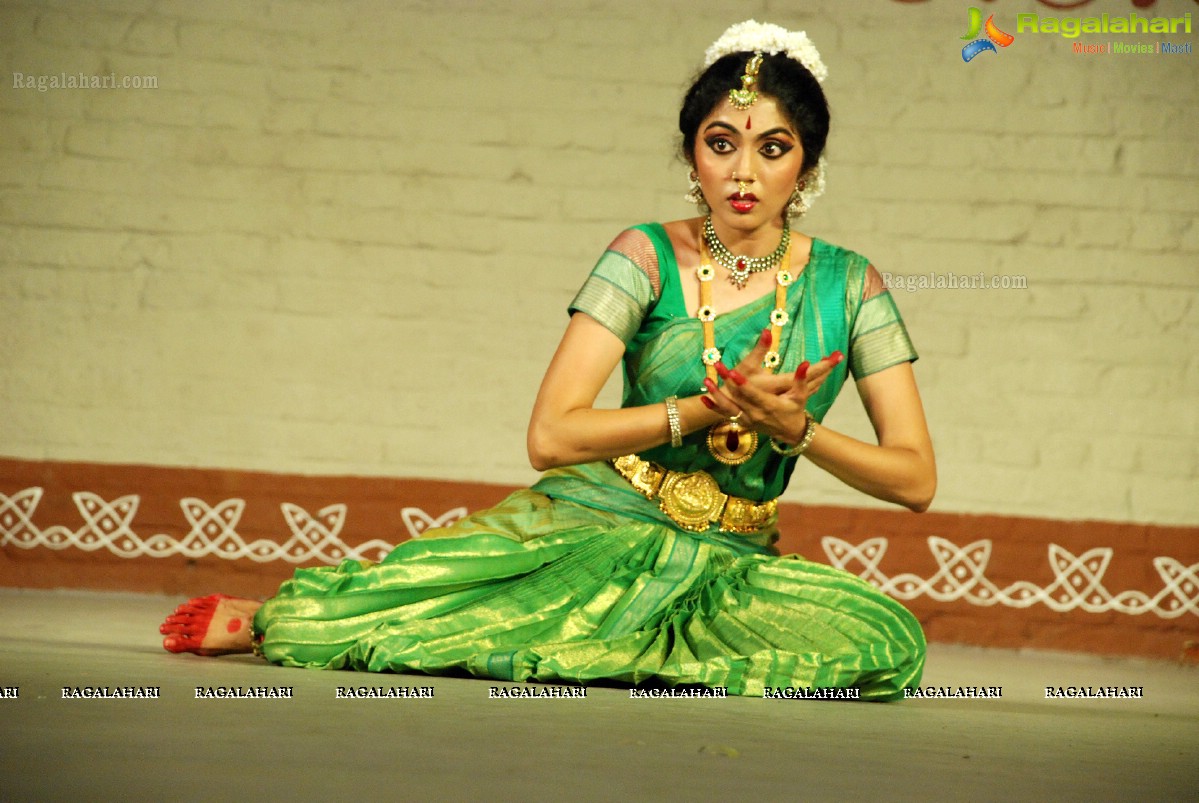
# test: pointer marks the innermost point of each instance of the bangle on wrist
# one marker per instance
(672, 418)
(804, 442)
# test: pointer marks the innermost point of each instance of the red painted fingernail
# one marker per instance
(802, 371)
(710, 385)
(765, 339)
(722, 370)
(737, 377)
(711, 405)
(837, 357)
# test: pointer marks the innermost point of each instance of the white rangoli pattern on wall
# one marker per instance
(108, 526)
(1077, 584)
(960, 575)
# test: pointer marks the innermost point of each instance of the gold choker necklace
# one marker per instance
(728, 441)
(739, 267)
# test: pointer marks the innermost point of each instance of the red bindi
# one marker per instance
(748, 122)
(234, 625)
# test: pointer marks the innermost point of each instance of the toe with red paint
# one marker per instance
(186, 628)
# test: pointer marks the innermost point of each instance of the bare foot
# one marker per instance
(213, 625)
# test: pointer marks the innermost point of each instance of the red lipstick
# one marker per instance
(743, 203)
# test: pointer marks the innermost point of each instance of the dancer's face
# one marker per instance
(761, 147)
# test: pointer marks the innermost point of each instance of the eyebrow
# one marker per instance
(772, 132)
(779, 130)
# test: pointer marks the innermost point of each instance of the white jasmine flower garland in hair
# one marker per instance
(763, 37)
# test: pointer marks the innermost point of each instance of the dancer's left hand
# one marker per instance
(764, 401)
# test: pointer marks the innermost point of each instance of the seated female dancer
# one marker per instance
(644, 552)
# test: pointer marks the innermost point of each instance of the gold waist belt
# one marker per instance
(693, 500)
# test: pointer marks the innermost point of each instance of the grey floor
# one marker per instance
(463, 745)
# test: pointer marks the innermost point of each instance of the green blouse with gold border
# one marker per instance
(663, 342)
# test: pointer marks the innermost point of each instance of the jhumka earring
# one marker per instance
(809, 187)
(797, 205)
(695, 194)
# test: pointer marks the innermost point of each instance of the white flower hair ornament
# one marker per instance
(761, 38)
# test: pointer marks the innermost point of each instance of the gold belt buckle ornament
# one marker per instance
(693, 500)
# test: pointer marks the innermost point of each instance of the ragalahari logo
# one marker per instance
(994, 36)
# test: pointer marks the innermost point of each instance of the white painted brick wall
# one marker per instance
(339, 238)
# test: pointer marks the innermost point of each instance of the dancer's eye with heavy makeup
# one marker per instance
(773, 149)
(720, 144)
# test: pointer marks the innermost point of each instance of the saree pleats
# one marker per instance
(541, 589)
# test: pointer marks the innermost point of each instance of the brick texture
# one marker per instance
(339, 238)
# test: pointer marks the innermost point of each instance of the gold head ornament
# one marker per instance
(744, 97)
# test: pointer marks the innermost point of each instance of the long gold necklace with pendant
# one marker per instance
(728, 441)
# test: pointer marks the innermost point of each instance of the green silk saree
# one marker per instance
(580, 578)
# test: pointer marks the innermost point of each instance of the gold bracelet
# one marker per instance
(672, 418)
(804, 442)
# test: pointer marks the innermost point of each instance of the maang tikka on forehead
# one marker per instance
(744, 97)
